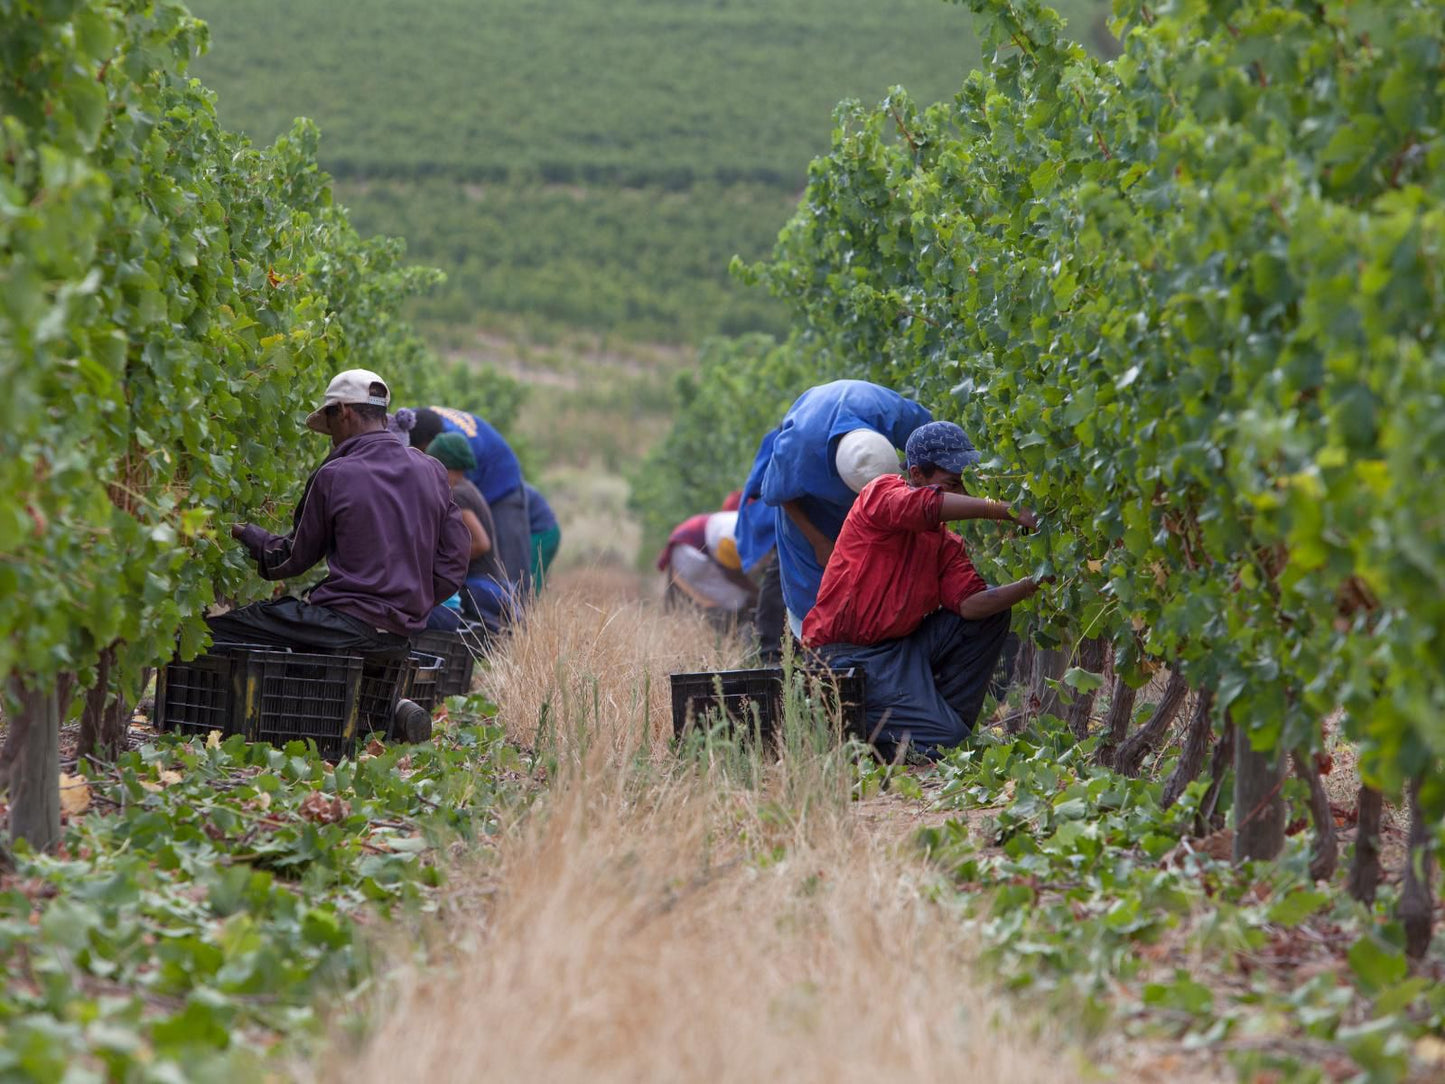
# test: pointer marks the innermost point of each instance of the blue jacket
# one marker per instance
(756, 534)
(498, 473)
(802, 468)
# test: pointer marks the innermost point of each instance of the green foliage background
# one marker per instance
(741, 389)
(174, 300)
(1190, 300)
(590, 164)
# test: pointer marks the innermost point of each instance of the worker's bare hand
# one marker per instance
(1026, 519)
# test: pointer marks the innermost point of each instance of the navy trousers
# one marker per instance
(927, 688)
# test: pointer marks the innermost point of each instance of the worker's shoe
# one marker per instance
(411, 722)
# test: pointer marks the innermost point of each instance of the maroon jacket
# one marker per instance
(382, 516)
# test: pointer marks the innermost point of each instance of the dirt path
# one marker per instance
(648, 923)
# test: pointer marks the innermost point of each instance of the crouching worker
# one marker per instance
(383, 518)
(486, 595)
(901, 599)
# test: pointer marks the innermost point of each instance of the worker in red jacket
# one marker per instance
(901, 599)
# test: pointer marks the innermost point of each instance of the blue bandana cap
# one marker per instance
(944, 445)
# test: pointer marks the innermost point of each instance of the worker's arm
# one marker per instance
(821, 543)
(996, 600)
(280, 557)
(481, 543)
(959, 506)
(449, 562)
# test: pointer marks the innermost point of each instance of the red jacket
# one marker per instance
(894, 563)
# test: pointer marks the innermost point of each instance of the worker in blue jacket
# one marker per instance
(498, 475)
(834, 440)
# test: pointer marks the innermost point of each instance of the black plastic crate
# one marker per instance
(456, 650)
(196, 697)
(426, 680)
(382, 684)
(755, 697)
(292, 697)
(205, 693)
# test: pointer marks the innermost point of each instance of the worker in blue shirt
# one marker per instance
(498, 475)
(834, 440)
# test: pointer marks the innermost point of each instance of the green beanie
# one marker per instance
(453, 451)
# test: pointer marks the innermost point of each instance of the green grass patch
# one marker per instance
(1088, 901)
(214, 896)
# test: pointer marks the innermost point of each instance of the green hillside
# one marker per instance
(593, 164)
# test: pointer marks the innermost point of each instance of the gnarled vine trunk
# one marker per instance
(1208, 819)
(1258, 802)
(1196, 743)
(1081, 708)
(105, 719)
(1365, 867)
(1325, 854)
(1043, 692)
(30, 763)
(1137, 745)
(1116, 723)
(1417, 908)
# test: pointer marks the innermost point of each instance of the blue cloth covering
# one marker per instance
(801, 468)
(757, 535)
(540, 516)
(498, 472)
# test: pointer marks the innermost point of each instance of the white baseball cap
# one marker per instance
(862, 456)
(353, 388)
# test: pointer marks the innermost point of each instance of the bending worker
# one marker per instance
(700, 561)
(901, 599)
(834, 440)
(486, 594)
(497, 476)
(381, 516)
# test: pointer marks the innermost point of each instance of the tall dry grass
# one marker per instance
(591, 666)
(663, 920)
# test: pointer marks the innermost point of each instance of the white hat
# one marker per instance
(862, 456)
(721, 536)
(352, 387)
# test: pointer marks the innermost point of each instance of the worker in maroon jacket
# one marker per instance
(901, 599)
(381, 515)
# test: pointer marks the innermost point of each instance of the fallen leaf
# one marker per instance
(74, 794)
(154, 788)
(375, 748)
(263, 800)
(319, 809)
(213, 740)
(170, 778)
(1095, 566)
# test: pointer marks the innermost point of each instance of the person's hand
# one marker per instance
(236, 529)
(1026, 519)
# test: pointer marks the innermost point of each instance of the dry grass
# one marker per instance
(655, 920)
(591, 664)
